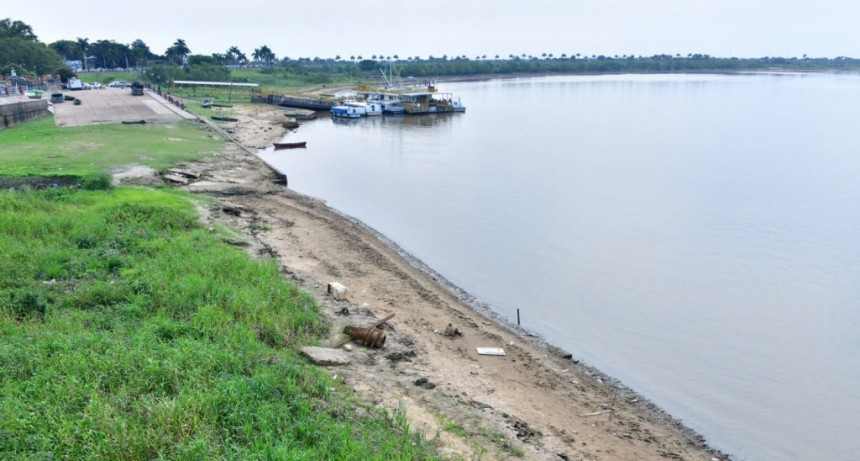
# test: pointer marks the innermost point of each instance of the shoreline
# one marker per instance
(536, 402)
(487, 311)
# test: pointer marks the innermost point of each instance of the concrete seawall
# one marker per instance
(14, 110)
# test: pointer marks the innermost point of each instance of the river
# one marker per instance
(695, 236)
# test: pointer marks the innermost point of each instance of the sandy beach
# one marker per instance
(534, 402)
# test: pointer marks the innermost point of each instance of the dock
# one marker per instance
(300, 102)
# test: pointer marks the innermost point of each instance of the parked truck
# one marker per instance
(137, 89)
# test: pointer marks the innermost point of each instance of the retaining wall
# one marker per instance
(19, 112)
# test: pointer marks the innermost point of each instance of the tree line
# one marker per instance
(21, 49)
(432, 67)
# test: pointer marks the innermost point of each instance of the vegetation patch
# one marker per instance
(39, 148)
(129, 331)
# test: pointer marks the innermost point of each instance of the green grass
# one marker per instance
(289, 80)
(279, 81)
(502, 442)
(129, 331)
(39, 148)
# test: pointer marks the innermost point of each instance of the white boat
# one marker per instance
(373, 108)
(344, 111)
(353, 109)
(359, 107)
(365, 108)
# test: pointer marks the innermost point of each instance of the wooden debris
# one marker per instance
(372, 327)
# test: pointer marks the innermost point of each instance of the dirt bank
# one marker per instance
(534, 402)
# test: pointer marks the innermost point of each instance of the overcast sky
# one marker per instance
(325, 28)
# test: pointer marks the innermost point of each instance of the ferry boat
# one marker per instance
(431, 103)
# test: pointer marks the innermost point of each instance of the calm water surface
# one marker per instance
(697, 237)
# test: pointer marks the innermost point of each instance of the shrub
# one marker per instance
(25, 303)
(100, 181)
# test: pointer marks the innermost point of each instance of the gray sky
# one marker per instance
(325, 28)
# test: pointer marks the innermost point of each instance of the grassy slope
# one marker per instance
(128, 331)
(39, 148)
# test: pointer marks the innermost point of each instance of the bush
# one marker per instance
(100, 181)
(25, 303)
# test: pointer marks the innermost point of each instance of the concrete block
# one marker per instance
(326, 356)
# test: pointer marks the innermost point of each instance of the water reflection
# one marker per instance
(417, 121)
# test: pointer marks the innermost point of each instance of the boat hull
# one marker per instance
(345, 112)
(290, 145)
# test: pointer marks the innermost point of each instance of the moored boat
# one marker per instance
(344, 111)
(365, 108)
(290, 145)
(418, 99)
(393, 107)
(431, 103)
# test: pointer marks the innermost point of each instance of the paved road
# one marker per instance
(114, 105)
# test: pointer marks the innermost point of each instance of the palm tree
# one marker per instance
(263, 53)
(178, 52)
(235, 55)
(84, 45)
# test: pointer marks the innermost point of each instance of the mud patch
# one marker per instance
(133, 174)
(38, 183)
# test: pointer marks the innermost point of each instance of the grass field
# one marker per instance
(278, 80)
(129, 330)
(39, 148)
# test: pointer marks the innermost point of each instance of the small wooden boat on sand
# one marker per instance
(290, 145)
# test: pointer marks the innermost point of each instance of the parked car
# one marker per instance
(96, 85)
(119, 84)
